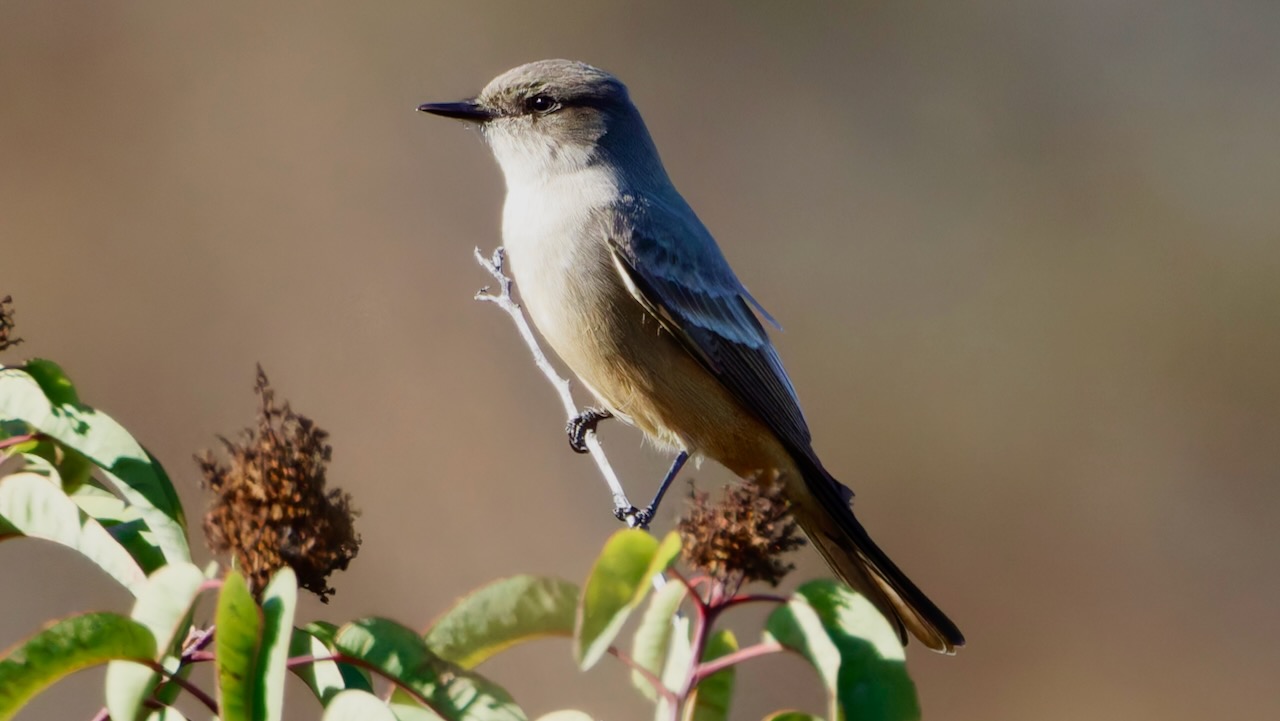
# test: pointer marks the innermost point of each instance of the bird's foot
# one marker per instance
(634, 517)
(578, 427)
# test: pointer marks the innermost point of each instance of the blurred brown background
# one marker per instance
(1027, 256)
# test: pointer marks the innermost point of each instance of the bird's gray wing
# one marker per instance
(685, 282)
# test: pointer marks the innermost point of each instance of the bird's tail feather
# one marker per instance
(825, 515)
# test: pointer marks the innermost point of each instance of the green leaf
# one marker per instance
(621, 577)
(712, 696)
(357, 706)
(67, 646)
(125, 464)
(104, 505)
(279, 601)
(73, 468)
(853, 648)
(791, 716)
(679, 658)
(239, 622)
(568, 714)
(323, 677)
(500, 615)
(666, 554)
(408, 708)
(323, 633)
(164, 607)
(123, 521)
(401, 655)
(33, 505)
(53, 382)
(653, 636)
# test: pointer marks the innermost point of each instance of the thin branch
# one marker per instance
(691, 584)
(755, 651)
(502, 299)
(704, 617)
(186, 685)
(626, 659)
(308, 659)
(197, 642)
(716, 596)
(16, 440)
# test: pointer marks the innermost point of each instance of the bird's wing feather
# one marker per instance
(689, 287)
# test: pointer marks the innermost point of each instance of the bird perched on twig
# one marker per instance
(633, 293)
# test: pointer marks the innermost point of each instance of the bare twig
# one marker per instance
(494, 265)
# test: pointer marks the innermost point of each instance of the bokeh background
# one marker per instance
(1027, 255)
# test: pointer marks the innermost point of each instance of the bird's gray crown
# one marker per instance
(547, 86)
(553, 118)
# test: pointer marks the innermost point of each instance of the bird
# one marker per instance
(632, 292)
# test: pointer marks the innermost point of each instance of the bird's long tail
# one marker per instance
(827, 518)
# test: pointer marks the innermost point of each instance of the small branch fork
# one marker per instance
(622, 507)
(707, 609)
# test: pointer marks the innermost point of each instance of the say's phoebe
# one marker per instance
(626, 284)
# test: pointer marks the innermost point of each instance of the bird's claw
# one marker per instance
(634, 517)
(641, 519)
(578, 427)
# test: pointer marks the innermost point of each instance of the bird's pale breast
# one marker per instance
(567, 277)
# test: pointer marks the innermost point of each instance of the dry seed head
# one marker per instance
(741, 538)
(270, 507)
(7, 339)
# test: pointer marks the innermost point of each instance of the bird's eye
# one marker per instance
(541, 104)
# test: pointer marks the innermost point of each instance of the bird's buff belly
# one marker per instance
(641, 373)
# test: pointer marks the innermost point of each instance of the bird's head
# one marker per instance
(554, 116)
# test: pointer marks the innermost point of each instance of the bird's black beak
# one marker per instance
(468, 110)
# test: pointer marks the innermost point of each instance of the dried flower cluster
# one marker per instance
(742, 537)
(270, 506)
(7, 340)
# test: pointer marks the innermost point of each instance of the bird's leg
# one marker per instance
(578, 428)
(642, 518)
(580, 424)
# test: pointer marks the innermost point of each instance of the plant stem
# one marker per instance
(691, 584)
(184, 684)
(648, 675)
(196, 644)
(16, 440)
(704, 616)
(706, 611)
(712, 667)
